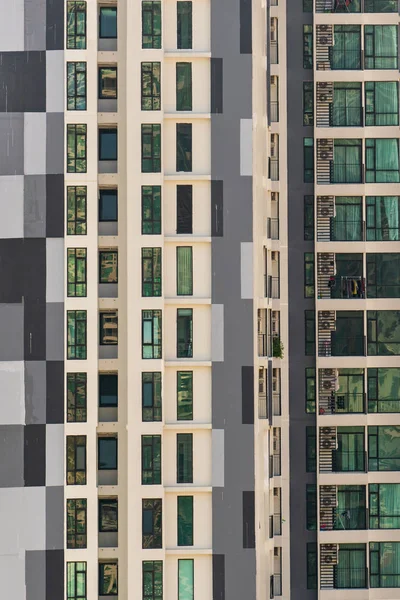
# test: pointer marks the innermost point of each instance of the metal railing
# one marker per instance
(273, 53)
(346, 173)
(353, 578)
(348, 461)
(272, 228)
(274, 111)
(349, 288)
(273, 169)
(347, 231)
(346, 403)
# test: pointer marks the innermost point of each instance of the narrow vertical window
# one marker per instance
(76, 397)
(310, 332)
(76, 86)
(185, 395)
(311, 504)
(108, 515)
(108, 205)
(108, 328)
(151, 85)
(108, 579)
(76, 210)
(308, 103)
(309, 283)
(312, 564)
(309, 218)
(151, 397)
(184, 458)
(151, 148)
(151, 24)
(76, 459)
(151, 523)
(307, 46)
(151, 334)
(184, 209)
(76, 334)
(308, 160)
(108, 143)
(185, 579)
(184, 25)
(183, 86)
(184, 333)
(152, 576)
(151, 209)
(76, 259)
(184, 271)
(151, 272)
(108, 266)
(311, 449)
(76, 148)
(76, 523)
(310, 390)
(108, 22)
(151, 459)
(183, 147)
(108, 390)
(185, 520)
(76, 581)
(76, 25)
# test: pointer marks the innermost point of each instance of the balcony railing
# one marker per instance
(272, 287)
(343, 116)
(274, 111)
(347, 231)
(273, 53)
(346, 403)
(347, 461)
(366, 6)
(342, 346)
(273, 169)
(272, 228)
(264, 344)
(349, 288)
(277, 521)
(353, 578)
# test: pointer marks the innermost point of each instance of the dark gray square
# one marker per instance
(23, 81)
(12, 456)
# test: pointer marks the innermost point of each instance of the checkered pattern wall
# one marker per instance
(31, 299)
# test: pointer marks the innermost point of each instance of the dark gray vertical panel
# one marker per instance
(54, 392)
(247, 395)
(245, 27)
(268, 66)
(218, 561)
(35, 331)
(34, 270)
(54, 575)
(35, 455)
(11, 262)
(299, 420)
(54, 25)
(217, 98)
(217, 208)
(249, 534)
(55, 206)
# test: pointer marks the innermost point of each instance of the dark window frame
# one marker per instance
(72, 130)
(100, 440)
(154, 285)
(72, 98)
(108, 37)
(310, 374)
(155, 408)
(181, 524)
(102, 252)
(179, 416)
(155, 99)
(103, 192)
(74, 380)
(311, 449)
(76, 194)
(79, 318)
(184, 151)
(184, 440)
(104, 131)
(184, 222)
(153, 132)
(103, 314)
(153, 505)
(308, 116)
(73, 506)
(156, 567)
(102, 565)
(103, 502)
(73, 284)
(309, 229)
(156, 224)
(309, 281)
(76, 475)
(76, 571)
(156, 39)
(105, 404)
(152, 344)
(153, 474)
(100, 80)
(310, 342)
(179, 103)
(308, 157)
(187, 318)
(179, 14)
(311, 506)
(80, 8)
(308, 59)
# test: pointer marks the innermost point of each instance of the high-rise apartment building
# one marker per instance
(199, 300)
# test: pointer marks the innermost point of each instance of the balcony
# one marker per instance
(274, 111)
(264, 345)
(275, 465)
(276, 585)
(272, 229)
(342, 403)
(272, 287)
(356, 6)
(273, 53)
(262, 394)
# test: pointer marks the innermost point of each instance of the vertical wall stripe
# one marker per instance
(217, 208)
(217, 332)
(246, 147)
(217, 102)
(54, 575)
(218, 458)
(245, 27)
(246, 270)
(249, 534)
(218, 561)
(35, 455)
(248, 395)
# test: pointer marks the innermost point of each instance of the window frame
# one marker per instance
(179, 16)
(310, 341)
(112, 315)
(311, 506)
(74, 380)
(184, 151)
(311, 449)
(101, 503)
(309, 230)
(309, 277)
(154, 196)
(182, 523)
(72, 75)
(182, 594)
(153, 474)
(184, 315)
(107, 131)
(79, 320)
(184, 223)
(180, 105)
(181, 415)
(184, 441)
(103, 192)
(152, 257)
(152, 133)
(311, 376)
(100, 79)
(308, 157)
(153, 563)
(308, 116)
(154, 347)
(72, 508)
(102, 565)
(73, 198)
(155, 99)
(76, 475)
(81, 9)
(179, 284)
(156, 39)
(102, 253)
(373, 57)
(108, 37)
(102, 376)
(155, 505)
(76, 257)
(76, 132)
(100, 441)
(156, 407)
(312, 569)
(308, 47)
(72, 579)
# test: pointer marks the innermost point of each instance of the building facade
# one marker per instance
(200, 254)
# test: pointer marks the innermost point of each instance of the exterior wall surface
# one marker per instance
(31, 299)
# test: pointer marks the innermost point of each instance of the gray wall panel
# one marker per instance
(12, 27)
(35, 455)
(35, 575)
(55, 206)
(55, 25)
(299, 536)
(55, 143)
(55, 518)
(12, 144)
(12, 207)
(12, 456)
(54, 575)
(35, 24)
(55, 392)
(55, 331)
(12, 332)
(34, 206)
(12, 396)
(23, 82)
(35, 392)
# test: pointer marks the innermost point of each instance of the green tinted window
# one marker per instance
(384, 390)
(309, 283)
(76, 148)
(76, 459)
(76, 397)
(151, 334)
(76, 86)
(108, 83)
(184, 25)
(183, 86)
(151, 209)
(151, 24)
(308, 160)
(383, 332)
(76, 210)
(76, 258)
(185, 395)
(151, 396)
(311, 449)
(384, 560)
(310, 390)
(309, 218)
(186, 579)
(76, 581)
(185, 520)
(151, 272)
(76, 334)
(307, 46)
(151, 86)
(76, 523)
(311, 497)
(151, 523)
(384, 448)
(108, 579)
(380, 47)
(312, 566)
(151, 148)
(76, 25)
(384, 506)
(151, 459)
(184, 271)
(309, 332)
(308, 103)
(108, 266)
(183, 146)
(184, 458)
(152, 577)
(184, 333)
